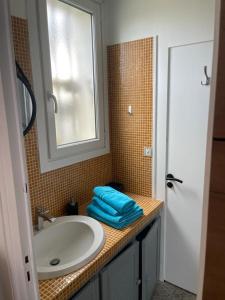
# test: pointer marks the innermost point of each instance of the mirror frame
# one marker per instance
(22, 77)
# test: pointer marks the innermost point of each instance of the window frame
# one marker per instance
(51, 157)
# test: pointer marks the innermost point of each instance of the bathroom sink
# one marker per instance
(67, 245)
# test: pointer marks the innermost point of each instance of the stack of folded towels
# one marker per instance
(113, 208)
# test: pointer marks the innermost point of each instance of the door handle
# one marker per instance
(52, 97)
(170, 177)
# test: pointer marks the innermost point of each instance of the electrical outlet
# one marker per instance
(148, 151)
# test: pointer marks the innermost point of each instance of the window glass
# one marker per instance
(72, 67)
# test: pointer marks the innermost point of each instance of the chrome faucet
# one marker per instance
(43, 215)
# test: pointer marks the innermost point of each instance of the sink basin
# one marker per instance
(67, 245)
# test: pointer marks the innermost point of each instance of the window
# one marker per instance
(67, 63)
(70, 38)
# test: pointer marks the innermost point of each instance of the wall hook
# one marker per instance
(207, 81)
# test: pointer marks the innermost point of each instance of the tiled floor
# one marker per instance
(167, 291)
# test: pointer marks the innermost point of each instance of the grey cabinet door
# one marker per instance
(150, 260)
(119, 280)
(89, 292)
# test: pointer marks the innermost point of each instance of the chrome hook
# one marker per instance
(207, 82)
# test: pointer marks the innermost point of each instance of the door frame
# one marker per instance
(15, 210)
(154, 114)
(162, 143)
(209, 149)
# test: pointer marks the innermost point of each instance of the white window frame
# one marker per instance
(51, 156)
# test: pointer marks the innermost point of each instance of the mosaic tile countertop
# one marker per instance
(62, 288)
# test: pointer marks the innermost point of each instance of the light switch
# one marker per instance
(148, 151)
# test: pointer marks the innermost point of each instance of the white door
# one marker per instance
(187, 135)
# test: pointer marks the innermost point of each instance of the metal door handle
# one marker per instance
(53, 97)
(170, 177)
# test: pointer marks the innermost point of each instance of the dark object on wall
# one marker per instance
(72, 208)
(117, 186)
(27, 100)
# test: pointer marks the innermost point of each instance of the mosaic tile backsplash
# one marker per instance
(130, 83)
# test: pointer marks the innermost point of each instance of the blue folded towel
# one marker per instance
(119, 201)
(117, 222)
(104, 206)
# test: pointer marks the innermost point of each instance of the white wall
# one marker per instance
(18, 8)
(176, 20)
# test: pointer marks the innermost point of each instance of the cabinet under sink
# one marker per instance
(132, 274)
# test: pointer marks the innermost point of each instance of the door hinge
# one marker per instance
(26, 259)
(138, 282)
(28, 276)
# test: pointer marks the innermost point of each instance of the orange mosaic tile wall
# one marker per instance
(54, 189)
(130, 83)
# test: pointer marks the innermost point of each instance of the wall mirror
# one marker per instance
(26, 99)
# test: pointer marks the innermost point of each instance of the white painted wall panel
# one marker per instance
(18, 8)
(178, 21)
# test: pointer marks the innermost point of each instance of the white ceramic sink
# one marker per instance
(70, 243)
